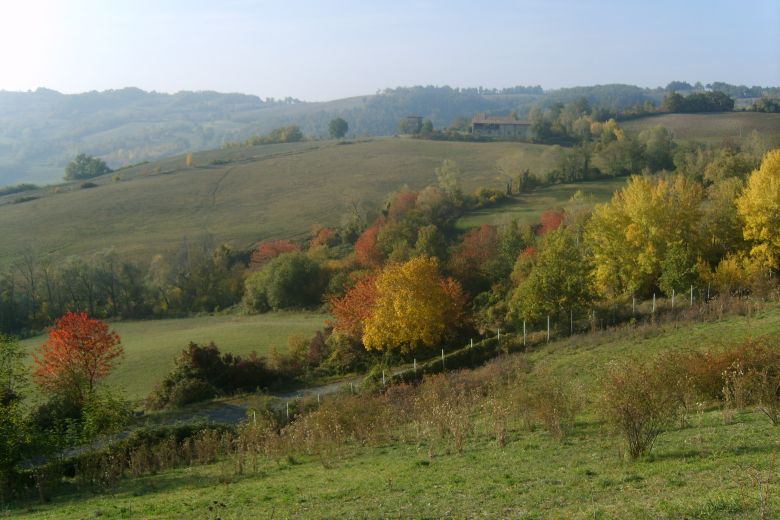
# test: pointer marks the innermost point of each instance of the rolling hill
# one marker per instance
(240, 195)
(245, 194)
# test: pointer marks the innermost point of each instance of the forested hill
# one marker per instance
(41, 131)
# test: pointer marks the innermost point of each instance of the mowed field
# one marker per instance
(151, 346)
(704, 469)
(526, 208)
(712, 128)
(262, 192)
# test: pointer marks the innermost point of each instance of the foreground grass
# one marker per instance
(706, 469)
(701, 471)
(151, 346)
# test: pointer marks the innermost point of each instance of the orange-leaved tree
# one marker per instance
(353, 309)
(406, 305)
(80, 351)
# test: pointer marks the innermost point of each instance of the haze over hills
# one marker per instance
(40, 131)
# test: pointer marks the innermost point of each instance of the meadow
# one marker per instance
(152, 345)
(711, 128)
(527, 207)
(239, 196)
(713, 466)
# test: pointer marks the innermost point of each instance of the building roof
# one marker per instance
(498, 120)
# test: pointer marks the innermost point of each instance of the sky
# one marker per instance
(328, 50)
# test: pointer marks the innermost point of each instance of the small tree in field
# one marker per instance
(79, 353)
(338, 128)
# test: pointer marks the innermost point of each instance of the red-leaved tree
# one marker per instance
(80, 351)
(550, 221)
(267, 251)
(355, 307)
(367, 252)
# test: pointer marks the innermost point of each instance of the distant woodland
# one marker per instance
(41, 131)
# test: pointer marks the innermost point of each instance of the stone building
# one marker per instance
(500, 127)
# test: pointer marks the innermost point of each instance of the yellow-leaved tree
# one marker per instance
(632, 236)
(759, 207)
(414, 306)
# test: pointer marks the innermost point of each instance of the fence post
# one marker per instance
(351, 388)
(318, 398)
(383, 378)
(442, 359)
(472, 343)
(571, 322)
(287, 406)
(415, 367)
(691, 295)
(548, 328)
(653, 303)
(672, 298)
(524, 333)
(498, 334)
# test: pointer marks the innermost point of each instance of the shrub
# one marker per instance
(754, 379)
(555, 404)
(202, 372)
(188, 391)
(637, 404)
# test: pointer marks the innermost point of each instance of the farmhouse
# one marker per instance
(501, 127)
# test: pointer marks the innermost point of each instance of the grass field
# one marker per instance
(151, 346)
(527, 208)
(711, 128)
(262, 192)
(703, 470)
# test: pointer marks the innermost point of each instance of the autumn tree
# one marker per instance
(629, 237)
(474, 260)
(550, 221)
(79, 353)
(352, 310)
(367, 251)
(759, 207)
(412, 306)
(267, 251)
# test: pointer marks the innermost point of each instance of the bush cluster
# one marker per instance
(202, 372)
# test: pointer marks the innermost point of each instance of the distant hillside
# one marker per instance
(241, 195)
(41, 131)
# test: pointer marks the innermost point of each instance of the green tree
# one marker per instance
(337, 128)
(558, 283)
(289, 280)
(14, 427)
(85, 166)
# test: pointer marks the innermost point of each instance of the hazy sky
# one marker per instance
(325, 50)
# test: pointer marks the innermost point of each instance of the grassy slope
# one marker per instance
(267, 191)
(527, 207)
(711, 127)
(151, 346)
(698, 471)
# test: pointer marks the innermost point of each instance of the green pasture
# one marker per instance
(710, 468)
(151, 346)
